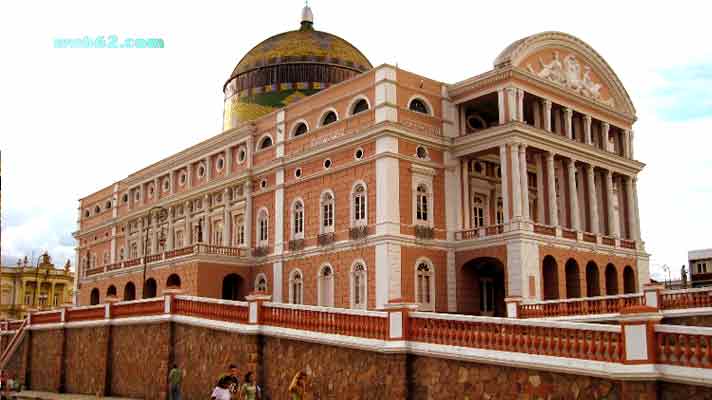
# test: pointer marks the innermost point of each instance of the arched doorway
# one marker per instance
(573, 280)
(173, 281)
(483, 289)
(94, 297)
(151, 288)
(111, 291)
(611, 280)
(233, 287)
(130, 291)
(629, 280)
(593, 281)
(550, 278)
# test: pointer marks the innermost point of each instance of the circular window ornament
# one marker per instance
(327, 163)
(220, 163)
(298, 173)
(263, 183)
(241, 155)
(358, 154)
(421, 152)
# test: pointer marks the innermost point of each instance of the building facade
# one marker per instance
(700, 263)
(19, 287)
(338, 184)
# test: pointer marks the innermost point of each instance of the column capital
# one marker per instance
(522, 147)
(587, 118)
(568, 112)
(606, 126)
(547, 103)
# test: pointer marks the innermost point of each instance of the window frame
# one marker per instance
(430, 274)
(322, 211)
(363, 304)
(364, 220)
(297, 220)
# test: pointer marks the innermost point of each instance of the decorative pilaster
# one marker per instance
(170, 243)
(605, 129)
(551, 181)
(467, 221)
(247, 226)
(636, 210)
(520, 105)
(512, 104)
(515, 182)
(504, 169)
(227, 221)
(228, 161)
(501, 106)
(540, 203)
(630, 205)
(612, 221)
(592, 198)
(188, 228)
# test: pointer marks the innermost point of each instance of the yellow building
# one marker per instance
(18, 287)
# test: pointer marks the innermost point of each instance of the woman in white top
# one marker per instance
(222, 390)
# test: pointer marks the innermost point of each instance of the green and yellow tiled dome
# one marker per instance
(286, 67)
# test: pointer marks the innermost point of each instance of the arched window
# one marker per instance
(360, 106)
(298, 220)
(262, 227)
(111, 291)
(151, 288)
(327, 212)
(611, 280)
(629, 285)
(296, 294)
(418, 105)
(265, 143)
(300, 129)
(326, 286)
(421, 204)
(550, 278)
(329, 118)
(359, 284)
(478, 211)
(94, 297)
(239, 231)
(424, 286)
(261, 283)
(359, 205)
(173, 281)
(130, 291)
(573, 280)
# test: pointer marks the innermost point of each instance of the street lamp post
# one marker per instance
(159, 214)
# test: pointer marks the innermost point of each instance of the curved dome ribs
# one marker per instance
(287, 67)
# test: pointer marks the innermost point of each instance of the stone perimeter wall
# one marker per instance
(133, 361)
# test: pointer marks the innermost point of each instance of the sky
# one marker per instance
(73, 121)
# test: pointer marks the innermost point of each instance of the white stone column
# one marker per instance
(568, 123)
(453, 195)
(512, 104)
(504, 169)
(636, 210)
(540, 203)
(612, 221)
(551, 180)
(520, 105)
(573, 196)
(516, 182)
(113, 244)
(466, 194)
(189, 171)
(141, 240)
(626, 143)
(587, 129)
(630, 203)
(605, 128)
(501, 107)
(387, 187)
(631, 148)
(592, 198)
(208, 169)
(547, 115)
(524, 181)
(188, 234)
(156, 190)
(172, 182)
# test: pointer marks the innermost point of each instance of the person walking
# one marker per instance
(248, 390)
(175, 377)
(222, 390)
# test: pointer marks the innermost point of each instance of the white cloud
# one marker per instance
(74, 121)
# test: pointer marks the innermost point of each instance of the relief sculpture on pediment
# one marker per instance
(568, 73)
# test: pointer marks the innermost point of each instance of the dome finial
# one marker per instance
(307, 16)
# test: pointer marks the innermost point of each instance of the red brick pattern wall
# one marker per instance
(46, 360)
(337, 373)
(205, 354)
(85, 360)
(139, 360)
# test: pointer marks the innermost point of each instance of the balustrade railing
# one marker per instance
(137, 308)
(582, 306)
(561, 339)
(222, 310)
(185, 251)
(545, 229)
(219, 250)
(686, 298)
(366, 324)
(684, 346)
